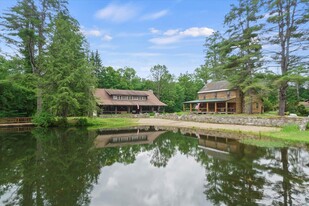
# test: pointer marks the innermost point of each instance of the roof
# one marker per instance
(126, 92)
(104, 97)
(216, 86)
(207, 100)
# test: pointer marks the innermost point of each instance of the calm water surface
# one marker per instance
(146, 167)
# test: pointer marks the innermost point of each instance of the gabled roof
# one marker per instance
(216, 86)
(104, 97)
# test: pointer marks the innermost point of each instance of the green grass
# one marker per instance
(289, 133)
(96, 122)
(267, 143)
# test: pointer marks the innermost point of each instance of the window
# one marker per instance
(204, 96)
(256, 105)
(143, 98)
(124, 97)
(216, 95)
(228, 94)
(115, 97)
(135, 98)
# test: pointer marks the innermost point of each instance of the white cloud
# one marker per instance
(171, 32)
(154, 31)
(107, 37)
(156, 15)
(91, 32)
(175, 35)
(165, 40)
(117, 13)
(196, 31)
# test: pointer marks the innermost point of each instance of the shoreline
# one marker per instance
(199, 125)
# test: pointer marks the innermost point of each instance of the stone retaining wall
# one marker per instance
(241, 120)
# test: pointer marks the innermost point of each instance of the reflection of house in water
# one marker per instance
(219, 147)
(112, 138)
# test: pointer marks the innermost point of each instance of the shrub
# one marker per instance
(43, 119)
(301, 110)
(62, 122)
(81, 122)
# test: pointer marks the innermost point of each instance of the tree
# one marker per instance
(190, 84)
(288, 23)
(69, 78)
(26, 28)
(215, 59)
(244, 49)
(161, 77)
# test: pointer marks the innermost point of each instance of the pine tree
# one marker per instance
(244, 49)
(288, 21)
(69, 77)
(25, 27)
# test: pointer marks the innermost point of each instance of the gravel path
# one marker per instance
(187, 124)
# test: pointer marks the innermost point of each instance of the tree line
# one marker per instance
(55, 72)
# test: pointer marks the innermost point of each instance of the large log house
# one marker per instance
(219, 97)
(115, 101)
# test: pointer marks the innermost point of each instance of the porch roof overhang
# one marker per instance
(207, 100)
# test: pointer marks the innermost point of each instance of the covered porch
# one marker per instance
(211, 106)
(129, 109)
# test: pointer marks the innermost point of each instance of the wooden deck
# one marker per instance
(16, 122)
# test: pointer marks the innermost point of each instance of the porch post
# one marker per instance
(226, 107)
(129, 109)
(207, 107)
(141, 109)
(115, 109)
(216, 107)
(190, 107)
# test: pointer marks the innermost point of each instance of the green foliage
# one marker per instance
(61, 122)
(43, 119)
(82, 122)
(302, 111)
(16, 100)
(69, 78)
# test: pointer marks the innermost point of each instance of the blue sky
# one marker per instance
(143, 33)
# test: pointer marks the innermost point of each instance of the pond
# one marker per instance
(147, 166)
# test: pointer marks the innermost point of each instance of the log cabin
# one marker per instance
(219, 98)
(116, 101)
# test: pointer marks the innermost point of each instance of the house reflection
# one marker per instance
(112, 138)
(219, 147)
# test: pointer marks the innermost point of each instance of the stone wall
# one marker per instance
(241, 120)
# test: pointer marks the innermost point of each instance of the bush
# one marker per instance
(301, 110)
(62, 122)
(43, 119)
(81, 122)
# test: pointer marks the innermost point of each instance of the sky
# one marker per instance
(143, 33)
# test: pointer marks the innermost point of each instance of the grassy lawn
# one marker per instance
(95, 122)
(290, 133)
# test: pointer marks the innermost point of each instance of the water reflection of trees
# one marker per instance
(51, 167)
(60, 167)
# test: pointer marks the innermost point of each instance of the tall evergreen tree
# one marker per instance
(215, 59)
(25, 27)
(244, 48)
(69, 77)
(289, 33)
